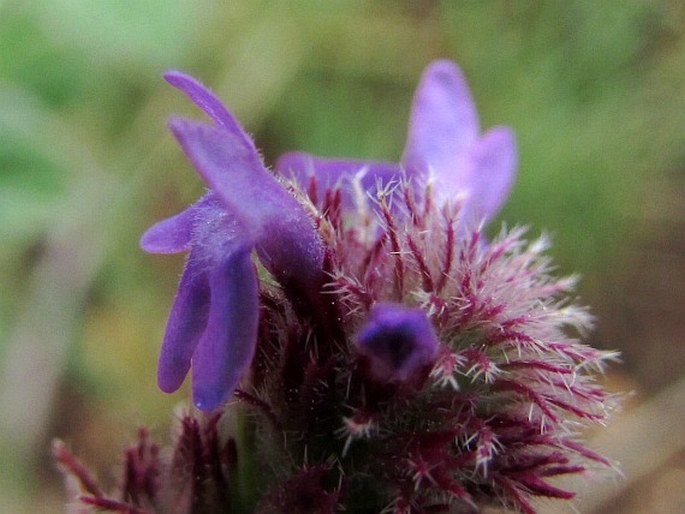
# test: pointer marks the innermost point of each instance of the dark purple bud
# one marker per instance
(398, 341)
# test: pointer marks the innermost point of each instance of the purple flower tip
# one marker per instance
(399, 341)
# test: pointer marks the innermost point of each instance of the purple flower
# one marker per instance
(399, 357)
(214, 320)
(444, 145)
(398, 341)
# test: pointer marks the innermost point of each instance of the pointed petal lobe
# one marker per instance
(443, 125)
(234, 172)
(495, 160)
(209, 103)
(227, 346)
(186, 324)
(171, 235)
(174, 234)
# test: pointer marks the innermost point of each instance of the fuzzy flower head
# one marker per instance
(391, 356)
(444, 147)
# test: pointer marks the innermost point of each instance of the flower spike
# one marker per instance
(339, 320)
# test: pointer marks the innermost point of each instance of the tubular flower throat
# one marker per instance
(392, 356)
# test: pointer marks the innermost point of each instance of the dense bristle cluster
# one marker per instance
(487, 417)
(496, 412)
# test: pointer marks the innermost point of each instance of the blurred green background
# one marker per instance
(594, 90)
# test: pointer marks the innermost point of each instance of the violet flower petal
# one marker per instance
(495, 160)
(186, 324)
(174, 234)
(285, 238)
(443, 125)
(399, 341)
(171, 235)
(213, 323)
(337, 172)
(216, 237)
(443, 143)
(209, 103)
(227, 346)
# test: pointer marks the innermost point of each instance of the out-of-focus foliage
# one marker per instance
(594, 91)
